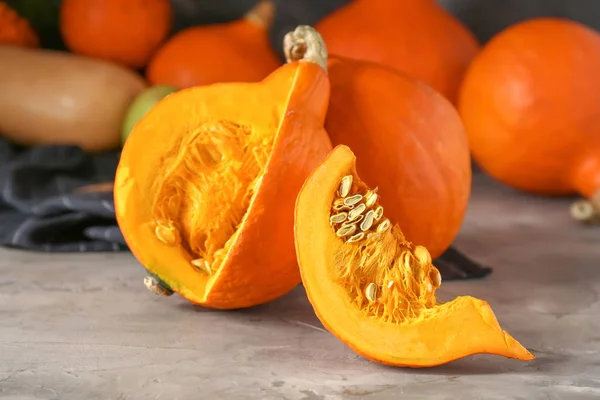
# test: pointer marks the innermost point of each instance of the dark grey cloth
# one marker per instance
(40, 208)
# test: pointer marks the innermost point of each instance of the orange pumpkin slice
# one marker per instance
(374, 290)
(208, 178)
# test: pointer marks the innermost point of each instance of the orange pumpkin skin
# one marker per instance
(15, 30)
(531, 103)
(409, 142)
(260, 265)
(414, 332)
(414, 36)
(125, 32)
(237, 51)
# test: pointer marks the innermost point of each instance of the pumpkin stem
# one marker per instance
(587, 211)
(261, 14)
(305, 44)
(157, 286)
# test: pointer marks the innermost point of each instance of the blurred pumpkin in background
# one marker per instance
(530, 103)
(487, 18)
(417, 37)
(125, 32)
(222, 52)
(14, 29)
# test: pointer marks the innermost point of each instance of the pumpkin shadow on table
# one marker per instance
(294, 309)
(292, 306)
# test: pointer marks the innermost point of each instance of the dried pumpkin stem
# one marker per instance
(305, 44)
(587, 211)
(157, 286)
(262, 14)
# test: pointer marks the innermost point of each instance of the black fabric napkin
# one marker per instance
(46, 205)
(42, 207)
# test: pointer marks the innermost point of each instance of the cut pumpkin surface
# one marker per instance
(207, 181)
(374, 290)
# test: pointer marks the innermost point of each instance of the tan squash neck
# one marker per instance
(305, 44)
(262, 14)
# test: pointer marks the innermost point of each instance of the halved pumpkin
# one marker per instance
(374, 290)
(207, 181)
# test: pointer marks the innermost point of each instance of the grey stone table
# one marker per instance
(84, 327)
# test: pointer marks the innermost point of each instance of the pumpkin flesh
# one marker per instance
(404, 325)
(206, 211)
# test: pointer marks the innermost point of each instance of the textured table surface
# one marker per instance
(84, 327)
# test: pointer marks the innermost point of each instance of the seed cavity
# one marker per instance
(385, 275)
(338, 218)
(368, 221)
(202, 265)
(352, 200)
(355, 213)
(371, 292)
(345, 185)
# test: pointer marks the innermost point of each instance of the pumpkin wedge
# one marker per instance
(374, 290)
(207, 181)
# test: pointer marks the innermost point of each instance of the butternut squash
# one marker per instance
(53, 97)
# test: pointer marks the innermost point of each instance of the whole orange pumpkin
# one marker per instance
(127, 32)
(414, 36)
(236, 51)
(409, 142)
(531, 106)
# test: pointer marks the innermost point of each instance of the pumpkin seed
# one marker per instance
(338, 218)
(352, 200)
(338, 205)
(368, 221)
(371, 292)
(429, 287)
(356, 238)
(374, 236)
(340, 208)
(378, 213)
(390, 284)
(165, 234)
(407, 260)
(345, 185)
(383, 226)
(437, 279)
(352, 215)
(202, 265)
(346, 230)
(371, 198)
(422, 254)
(355, 222)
